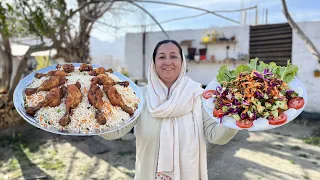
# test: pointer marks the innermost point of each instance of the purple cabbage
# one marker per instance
(244, 115)
(273, 84)
(259, 94)
(289, 92)
(219, 89)
(254, 115)
(236, 102)
(229, 104)
(224, 93)
(267, 72)
(246, 103)
(258, 75)
(229, 96)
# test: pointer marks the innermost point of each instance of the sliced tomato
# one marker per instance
(208, 94)
(217, 112)
(296, 102)
(244, 123)
(279, 120)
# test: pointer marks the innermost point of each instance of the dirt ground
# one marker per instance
(30, 153)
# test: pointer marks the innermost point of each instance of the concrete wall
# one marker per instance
(133, 50)
(205, 72)
(302, 57)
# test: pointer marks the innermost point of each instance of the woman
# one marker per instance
(172, 128)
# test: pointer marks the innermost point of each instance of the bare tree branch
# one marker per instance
(151, 17)
(179, 5)
(23, 64)
(5, 55)
(312, 48)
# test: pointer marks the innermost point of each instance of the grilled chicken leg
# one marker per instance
(74, 97)
(104, 79)
(95, 95)
(116, 100)
(52, 99)
(47, 85)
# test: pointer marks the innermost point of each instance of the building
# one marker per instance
(249, 40)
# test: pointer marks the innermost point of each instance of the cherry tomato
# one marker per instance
(279, 120)
(296, 102)
(244, 123)
(208, 94)
(217, 113)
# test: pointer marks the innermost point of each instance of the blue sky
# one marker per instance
(301, 10)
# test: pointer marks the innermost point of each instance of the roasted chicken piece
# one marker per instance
(47, 85)
(68, 68)
(104, 79)
(100, 70)
(95, 95)
(116, 100)
(73, 99)
(52, 99)
(40, 75)
(59, 73)
(85, 67)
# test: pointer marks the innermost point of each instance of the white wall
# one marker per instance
(205, 72)
(302, 57)
(133, 49)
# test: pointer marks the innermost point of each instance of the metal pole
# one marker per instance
(267, 16)
(262, 16)
(144, 53)
(257, 20)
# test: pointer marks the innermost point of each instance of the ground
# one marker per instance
(283, 153)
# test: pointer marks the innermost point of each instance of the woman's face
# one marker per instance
(168, 63)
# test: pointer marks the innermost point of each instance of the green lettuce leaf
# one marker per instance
(262, 66)
(242, 68)
(273, 67)
(285, 73)
(225, 75)
(253, 63)
(288, 72)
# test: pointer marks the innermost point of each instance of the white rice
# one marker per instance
(83, 117)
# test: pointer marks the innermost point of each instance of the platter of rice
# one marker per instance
(78, 99)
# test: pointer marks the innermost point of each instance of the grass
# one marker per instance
(305, 177)
(312, 140)
(292, 161)
(54, 164)
(50, 162)
(13, 165)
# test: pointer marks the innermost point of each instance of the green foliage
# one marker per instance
(225, 75)
(42, 18)
(285, 73)
(312, 140)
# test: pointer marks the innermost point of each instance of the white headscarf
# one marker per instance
(172, 107)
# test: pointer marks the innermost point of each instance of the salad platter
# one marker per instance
(256, 96)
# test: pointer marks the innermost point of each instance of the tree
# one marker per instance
(312, 48)
(51, 22)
